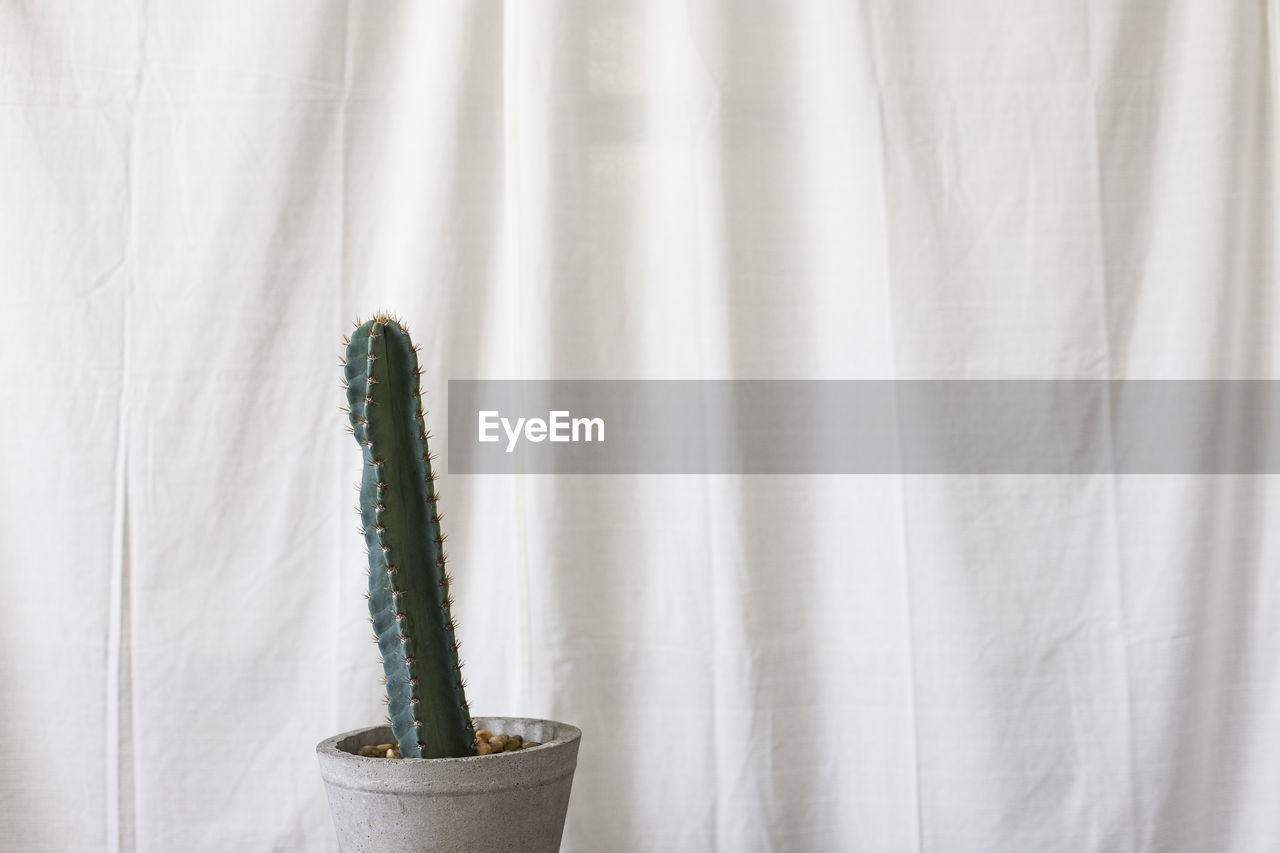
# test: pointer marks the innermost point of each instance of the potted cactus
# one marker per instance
(429, 779)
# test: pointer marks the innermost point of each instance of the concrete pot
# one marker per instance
(513, 801)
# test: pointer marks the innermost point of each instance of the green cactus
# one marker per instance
(408, 584)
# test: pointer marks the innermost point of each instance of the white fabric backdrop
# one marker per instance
(195, 201)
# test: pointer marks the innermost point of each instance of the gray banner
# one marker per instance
(864, 427)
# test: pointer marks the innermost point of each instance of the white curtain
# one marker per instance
(197, 199)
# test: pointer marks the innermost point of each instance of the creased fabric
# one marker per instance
(195, 203)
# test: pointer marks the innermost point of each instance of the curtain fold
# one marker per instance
(195, 204)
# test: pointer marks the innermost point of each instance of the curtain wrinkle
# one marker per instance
(605, 189)
(513, 195)
(1112, 371)
(118, 737)
(342, 297)
(706, 265)
(871, 48)
(121, 737)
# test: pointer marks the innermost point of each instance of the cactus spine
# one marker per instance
(408, 584)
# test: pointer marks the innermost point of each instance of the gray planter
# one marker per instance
(514, 801)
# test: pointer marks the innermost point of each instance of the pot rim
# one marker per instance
(545, 763)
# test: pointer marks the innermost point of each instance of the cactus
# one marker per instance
(409, 598)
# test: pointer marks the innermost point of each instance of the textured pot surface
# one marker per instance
(514, 801)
